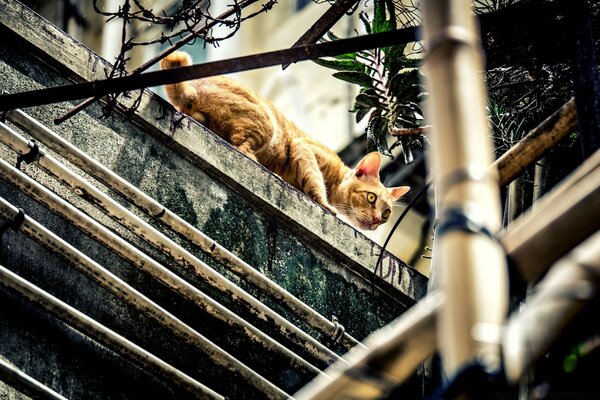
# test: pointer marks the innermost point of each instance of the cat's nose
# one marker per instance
(376, 220)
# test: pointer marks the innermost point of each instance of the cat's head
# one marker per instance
(365, 201)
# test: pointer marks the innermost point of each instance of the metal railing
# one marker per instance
(87, 326)
(140, 259)
(179, 225)
(32, 152)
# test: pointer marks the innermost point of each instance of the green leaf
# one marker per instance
(332, 36)
(361, 113)
(412, 62)
(395, 59)
(359, 78)
(407, 151)
(377, 132)
(365, 100)
(345, 64)
(406, 85)
(384, 16)
(366, 23)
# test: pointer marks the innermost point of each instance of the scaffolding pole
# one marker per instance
(469, 259)
(88, 327)
(173, 250)
(568, 286)
(137, 300)
(179, 225)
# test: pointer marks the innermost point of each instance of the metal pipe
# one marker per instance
(88, 327)
(569, 284)
(148, 233)
(470, 260)
(185, 40)
(391, 356)
(179, 225)
(25, 384)
(125, 292)
(156, 78)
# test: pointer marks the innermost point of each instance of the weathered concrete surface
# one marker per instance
(233, 200)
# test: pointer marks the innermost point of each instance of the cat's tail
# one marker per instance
(181, 94)
(175, 60)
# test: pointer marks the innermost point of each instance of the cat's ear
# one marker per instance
(398, 192)
(369, 165)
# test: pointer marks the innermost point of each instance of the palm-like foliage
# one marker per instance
(390, 84)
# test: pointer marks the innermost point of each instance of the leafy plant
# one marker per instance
(507, 126)
(390, 85)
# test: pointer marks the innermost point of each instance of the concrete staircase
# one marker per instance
(152, 260)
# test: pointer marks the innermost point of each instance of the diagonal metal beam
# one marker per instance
(187, 39)
(170, 76)
(324, 24)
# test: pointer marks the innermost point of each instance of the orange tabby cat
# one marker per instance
(252, 124)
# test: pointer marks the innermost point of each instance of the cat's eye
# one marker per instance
(189, 106)
(386, 213)
(371, 197)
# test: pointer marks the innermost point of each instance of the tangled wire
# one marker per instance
(191, 17)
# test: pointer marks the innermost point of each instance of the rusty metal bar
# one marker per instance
(16, 378)
(190, 37)
(179, 225)
(144, 230)
(117, 286)
(85, 325)
(169, 76)
(324, 24)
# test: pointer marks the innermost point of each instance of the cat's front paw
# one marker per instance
(329, 208)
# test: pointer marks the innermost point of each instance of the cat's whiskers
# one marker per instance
(353, 211)
(347, 208)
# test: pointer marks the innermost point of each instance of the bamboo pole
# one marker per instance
(570, 283)
(90, 328)
(179, 225)
(25, 384)
(137, 300)
(173, 250)
(470, 262)
(532, 147)
(559, 222)
(577, 197)
(391, 356)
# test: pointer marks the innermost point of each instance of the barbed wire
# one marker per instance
(187, 19)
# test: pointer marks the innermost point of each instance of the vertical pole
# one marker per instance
(469, 260)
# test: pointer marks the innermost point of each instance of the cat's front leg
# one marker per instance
(307, 174)
(248, 141)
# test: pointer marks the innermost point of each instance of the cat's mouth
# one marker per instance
(366, 226)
